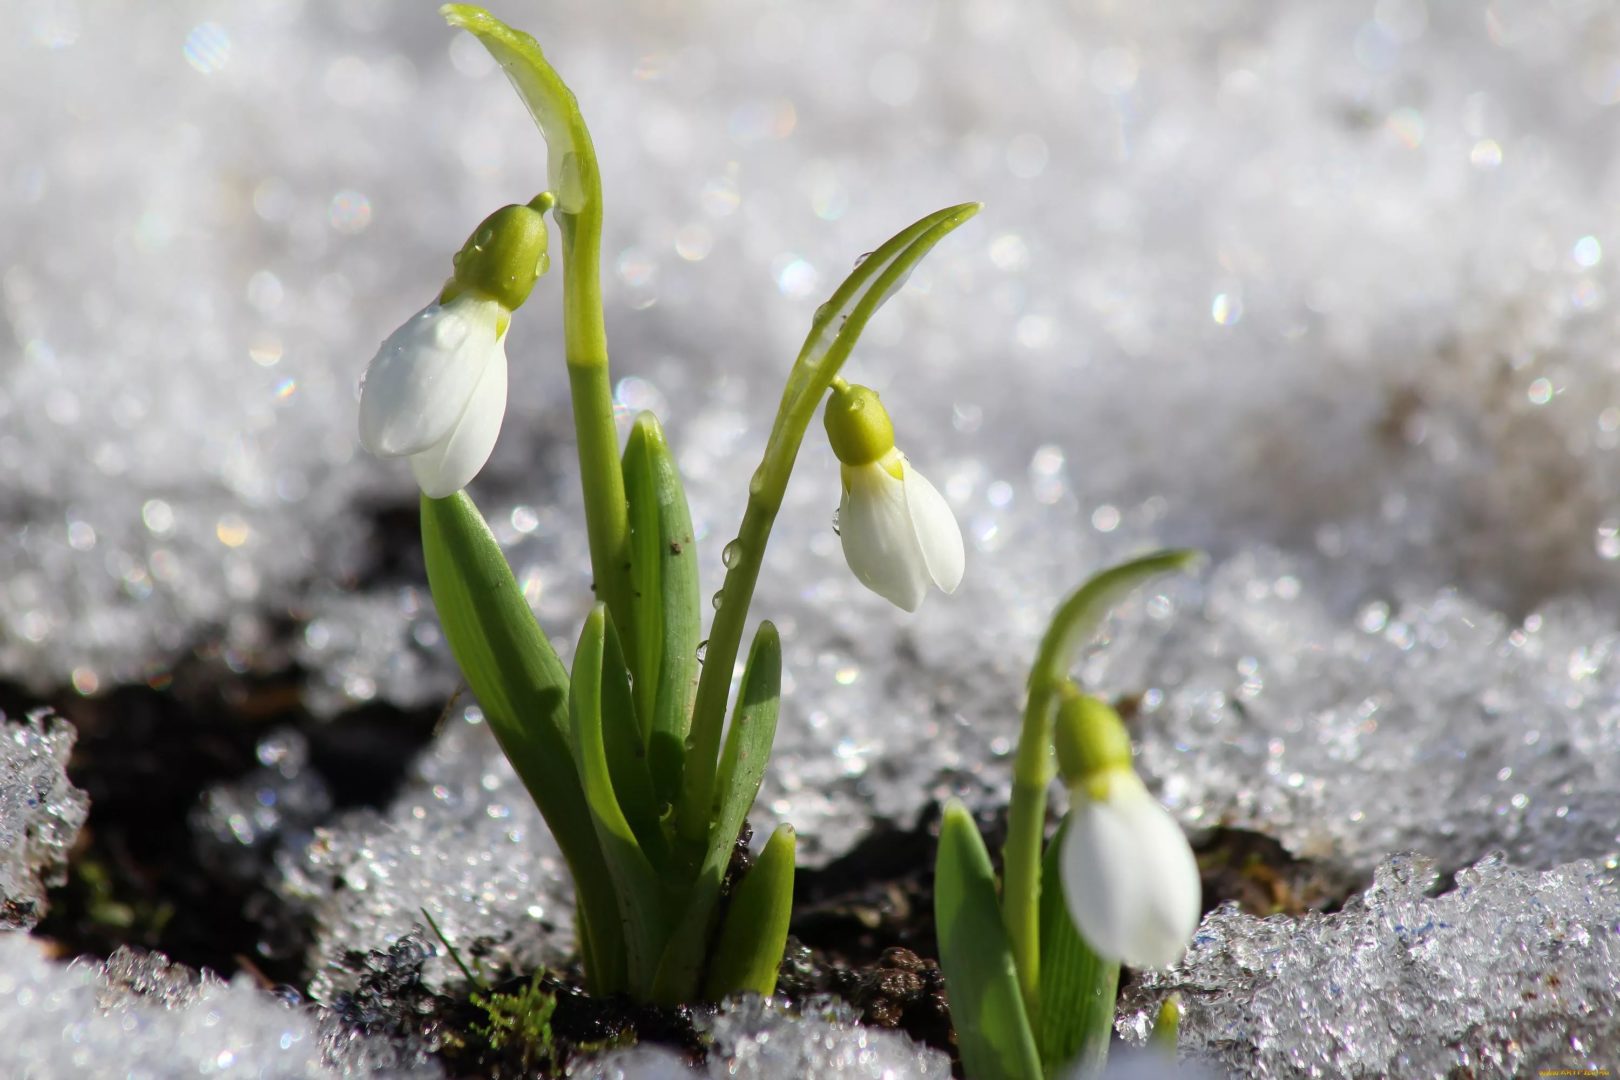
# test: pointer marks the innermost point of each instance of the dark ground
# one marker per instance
(862, 928)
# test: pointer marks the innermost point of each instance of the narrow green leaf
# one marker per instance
(987, 1010)
(742, 767)
(753, 934)
(523, 690)
(748, 743)
(639, 891)
(627, 754)
(1078, 987)
(664, 575)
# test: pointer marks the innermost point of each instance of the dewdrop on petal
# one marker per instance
(898, 533)
(1129, 876)
(435, 393)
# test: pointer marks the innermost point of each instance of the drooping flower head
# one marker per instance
(898, 533)
(435, 393)
(1129, 876)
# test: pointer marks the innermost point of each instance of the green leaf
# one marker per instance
(664, 576)
(742, 766)
(1078, 987)
(753, 934)
(523, 691)
(627, 754)
(640, 893)
(987, 1009)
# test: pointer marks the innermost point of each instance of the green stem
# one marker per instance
(747, 555)
(607, 520)
(836, 327)
(1026, 827)
(1075, 620)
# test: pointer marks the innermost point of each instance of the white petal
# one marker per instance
(448, 467)
(938, 535)
(417, 387)
(879, 541)
(1129, 877)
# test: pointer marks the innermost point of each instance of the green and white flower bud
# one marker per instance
(858, 426)
(898, 533)
(503, 257)
(1129, 875)
(1091, 739)
(435, 393)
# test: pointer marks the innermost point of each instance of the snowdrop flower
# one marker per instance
(435, 393)
(1128, 873)
(899, 536)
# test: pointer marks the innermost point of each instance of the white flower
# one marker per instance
(436, 392)
(899, 535)
(1129, 876)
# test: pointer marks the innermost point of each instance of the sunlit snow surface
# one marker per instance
(41, 813)
(1322, 289)
(1511, 973)
(140, 1016)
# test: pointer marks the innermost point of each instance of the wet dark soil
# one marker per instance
(862, 929)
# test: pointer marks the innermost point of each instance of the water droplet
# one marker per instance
(862, 258)
(718, 598)
(702, 648)
(483, 239)
(823, 312)
(731, 554)
(836, 531)
(896, 285)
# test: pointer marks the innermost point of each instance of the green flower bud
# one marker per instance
(1092, 743)
(504, 256)
(858, 425)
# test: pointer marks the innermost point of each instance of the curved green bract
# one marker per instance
(992, 1027)
(834, 330)
(570, 157)
(1082, 613)
(523, 690)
